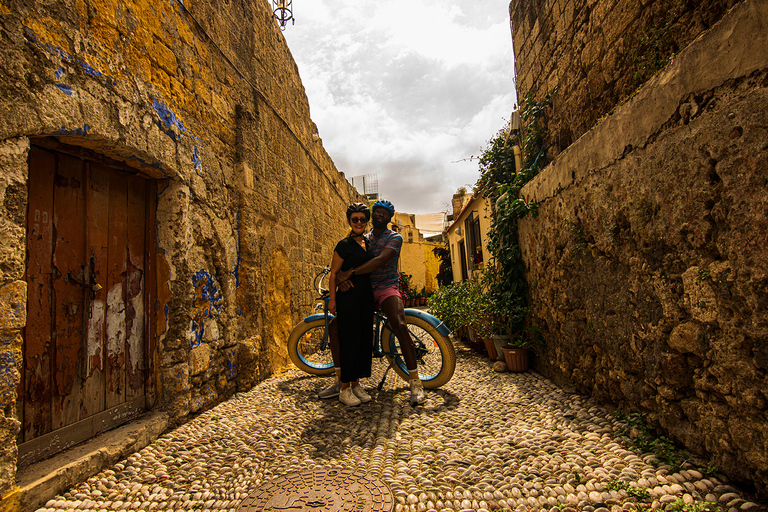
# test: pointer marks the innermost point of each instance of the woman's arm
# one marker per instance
(335, 267)
(370, 265)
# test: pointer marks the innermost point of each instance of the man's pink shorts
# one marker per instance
(383, 294)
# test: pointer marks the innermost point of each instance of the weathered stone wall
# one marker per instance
(205, 98)
(647, 263)
(597, 52)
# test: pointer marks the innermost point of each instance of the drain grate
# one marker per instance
(320, 491)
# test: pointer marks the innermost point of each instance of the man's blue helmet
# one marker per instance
(386, 205)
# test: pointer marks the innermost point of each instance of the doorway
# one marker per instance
(90, 231)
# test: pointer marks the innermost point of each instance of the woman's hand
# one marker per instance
(332, 306)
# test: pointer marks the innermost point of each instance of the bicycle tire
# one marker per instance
(304, 348)
(436, 359)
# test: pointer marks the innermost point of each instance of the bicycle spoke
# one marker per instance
(313, 350)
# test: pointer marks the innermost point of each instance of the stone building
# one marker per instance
(646, 264)
(166, 202)
(417, 257)
(468, 237)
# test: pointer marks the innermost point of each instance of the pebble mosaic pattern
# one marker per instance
(483, 442)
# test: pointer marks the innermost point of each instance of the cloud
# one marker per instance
(408, 90)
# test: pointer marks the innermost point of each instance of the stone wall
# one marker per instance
(647, 263)
(595, 53)
(204, 98)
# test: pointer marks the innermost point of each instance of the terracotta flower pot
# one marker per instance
(490, 347)
(516, 359)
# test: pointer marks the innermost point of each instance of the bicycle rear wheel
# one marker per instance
(307, 350)
(435, 354)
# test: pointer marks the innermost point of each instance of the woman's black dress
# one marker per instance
(354, 314)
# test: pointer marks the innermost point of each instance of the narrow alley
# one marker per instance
(485, 441)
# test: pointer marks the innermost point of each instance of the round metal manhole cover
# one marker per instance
(320, 491)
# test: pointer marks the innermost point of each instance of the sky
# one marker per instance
(409, 90)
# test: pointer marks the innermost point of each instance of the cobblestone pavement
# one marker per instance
(484, 441)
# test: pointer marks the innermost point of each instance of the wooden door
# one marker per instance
(85, 342)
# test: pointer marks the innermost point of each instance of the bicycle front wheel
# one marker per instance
(307, 349)
(435, 354)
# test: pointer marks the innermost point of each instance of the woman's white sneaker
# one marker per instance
(347, 397)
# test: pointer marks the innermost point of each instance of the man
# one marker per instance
(385, 280)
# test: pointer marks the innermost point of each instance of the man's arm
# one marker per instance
(369, 266)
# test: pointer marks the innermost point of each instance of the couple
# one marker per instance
(363, 273)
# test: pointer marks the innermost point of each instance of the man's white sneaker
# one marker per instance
(417, 392)
(347, 397)
(331, 391)
(361, 394)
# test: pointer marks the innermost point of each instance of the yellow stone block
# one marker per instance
(149, 17)
(221, 107)
(164, 57)
(161, 81)
(10, 501)
(178, 92)
(104, 13)
(202, 92)
(185, 32)
(48, 31)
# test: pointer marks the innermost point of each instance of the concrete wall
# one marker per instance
(647, 263)
(205, 98)
(597, 52)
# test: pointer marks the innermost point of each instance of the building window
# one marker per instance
(473, 241)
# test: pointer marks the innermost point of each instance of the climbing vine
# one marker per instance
(499, 181)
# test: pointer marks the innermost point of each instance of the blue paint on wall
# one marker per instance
(213, 299)
(231, 371)
(196, 161)
(60, 72)
(66, 89)
(77, 131)
(165, 312)
(198, 330)
(210, 291)
(155, 165)
(168, 118)
(89, 69)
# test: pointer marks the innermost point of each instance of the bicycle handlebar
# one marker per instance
(319, 281)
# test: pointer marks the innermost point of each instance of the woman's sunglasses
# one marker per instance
(358, 220)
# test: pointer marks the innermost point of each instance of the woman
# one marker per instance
(353, 308)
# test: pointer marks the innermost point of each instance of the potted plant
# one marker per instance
(457, 305)
(509, 314)
(423, 296)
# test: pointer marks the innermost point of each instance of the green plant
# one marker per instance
(406, 291)
(702, 274)
(577, 232)
(711, 469)
(458, 304)
(681, 506)
(445, 272)
(641, 436)
(638, 492)
(501, 182)
(655, 45)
